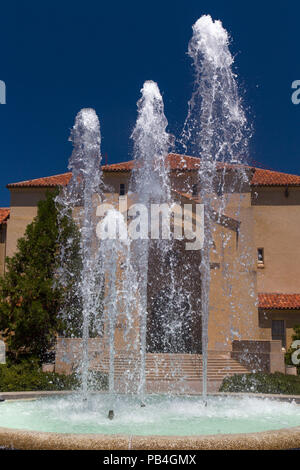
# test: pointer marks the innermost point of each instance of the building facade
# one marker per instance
(261, 226)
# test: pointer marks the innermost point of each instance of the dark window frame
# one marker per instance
(279, 333)
(122, 189)
(260, 256)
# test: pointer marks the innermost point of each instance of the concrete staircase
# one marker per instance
(174, 372)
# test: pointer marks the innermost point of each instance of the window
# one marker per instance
(122, 189)
(260, 257)
(195, 190)
(278, 331)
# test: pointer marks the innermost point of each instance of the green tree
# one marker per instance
(30, 299)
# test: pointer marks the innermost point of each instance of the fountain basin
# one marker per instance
(237, 421)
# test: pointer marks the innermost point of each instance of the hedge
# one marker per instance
(262, 383)
(28, 376)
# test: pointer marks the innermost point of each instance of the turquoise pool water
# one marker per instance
(162, 415)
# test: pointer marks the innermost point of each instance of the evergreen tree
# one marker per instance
(30, 299)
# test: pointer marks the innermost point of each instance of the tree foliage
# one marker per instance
(30, 299)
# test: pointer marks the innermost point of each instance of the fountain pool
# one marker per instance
(163, 416)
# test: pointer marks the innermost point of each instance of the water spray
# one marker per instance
(77, 201)
(215, 128)
(150, 182)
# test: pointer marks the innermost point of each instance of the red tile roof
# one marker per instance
(279, 301)
(48, 181)
(176, 163)
(182, 162)
(4, 214)
(117, 167)
(274, 178)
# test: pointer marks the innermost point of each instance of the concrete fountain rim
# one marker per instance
(286, 438)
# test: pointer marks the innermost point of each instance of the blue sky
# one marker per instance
(57, 57)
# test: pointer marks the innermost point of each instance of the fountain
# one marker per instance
(215, 129)
(150, 184)
(120, 294)
(80, 200)
(113, 284)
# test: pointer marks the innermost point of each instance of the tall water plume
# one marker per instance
(215, 130)
(79, 200)
(150, 183)
(119, 298)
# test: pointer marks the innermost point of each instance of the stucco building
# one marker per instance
(266, 232)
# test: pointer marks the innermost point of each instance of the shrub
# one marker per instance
(262, 383)
(28, 376)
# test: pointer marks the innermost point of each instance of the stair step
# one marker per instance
(174, 367)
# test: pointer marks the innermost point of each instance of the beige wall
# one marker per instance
(113, 181)
(290, 317)
(233, 310)
(277, 231)
(23, 209)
